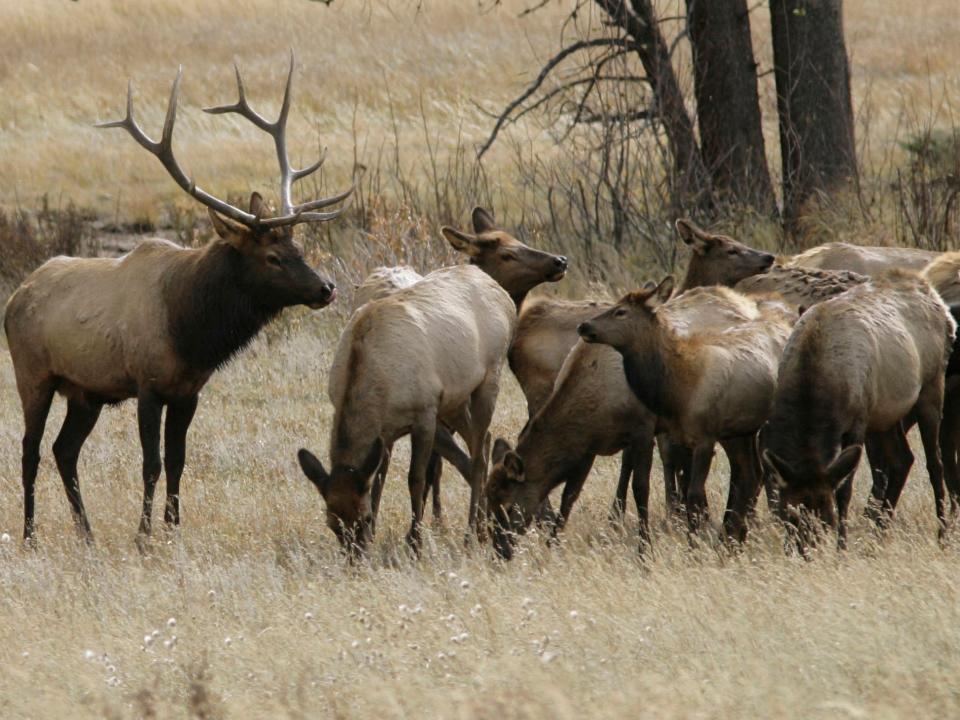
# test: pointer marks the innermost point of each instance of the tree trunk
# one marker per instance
(638, 21)
(728, 106)
(813, 102)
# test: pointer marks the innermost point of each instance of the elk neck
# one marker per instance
(211, 314)
(652, 363)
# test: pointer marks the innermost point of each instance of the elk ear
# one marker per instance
(372, 461)
(482, 221)
(844, 464)
(661, 293)
(313, 469)
(257, 205)
(648, 286)
(500, 448)
(513, 464)
(697, 239)
(461, 242)
(229, 230)
(778, 466)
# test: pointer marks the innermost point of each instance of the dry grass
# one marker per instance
(270, 622)
(369, 71)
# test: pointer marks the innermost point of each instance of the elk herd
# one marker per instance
(794, 365)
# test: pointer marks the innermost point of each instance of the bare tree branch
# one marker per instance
(541, 78)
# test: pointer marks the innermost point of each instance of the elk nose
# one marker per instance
(329, 291)
(586, 331)
(768, 259)
(561, 262)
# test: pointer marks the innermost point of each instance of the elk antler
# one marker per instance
(290, 214)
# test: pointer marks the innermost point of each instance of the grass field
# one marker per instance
(249, 611)
(269, 622)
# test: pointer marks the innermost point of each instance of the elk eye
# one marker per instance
(507, 257)
(273, 261)
(732, 252)
(619, 313)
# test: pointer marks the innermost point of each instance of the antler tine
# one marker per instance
(310, 169)
(325, 202)
(241, 107)
(163, 150)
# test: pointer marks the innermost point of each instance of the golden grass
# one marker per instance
(270, 622)
(365, 69)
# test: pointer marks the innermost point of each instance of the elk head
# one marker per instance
(719, 259)
(269, 265)
(346, 492)
(517, 267)
(631, 317)
(505, 485)
(269, 259)
(807, 490)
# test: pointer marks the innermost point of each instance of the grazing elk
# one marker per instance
(155, 323)
(591, 411)
(704, 385)
(420, 359)
(856, 366)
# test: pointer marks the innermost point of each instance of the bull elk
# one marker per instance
(155, 324)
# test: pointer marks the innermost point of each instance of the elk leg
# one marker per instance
(447, 448)
(890, 460)
(929, 410)
(619, 507)
(421, 449)
(744, 485)
(571, 491)
(950, 445)
(81, 417)
(434, 473)
(179, 416)
(842, 496)
(379, 480)
(642, 463)
(149, 412)
(697, 510)
(481, 413)
(36, 407)
(671, 491)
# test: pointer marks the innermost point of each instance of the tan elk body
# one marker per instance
(420, 360)
(856, 365)
(862, 259)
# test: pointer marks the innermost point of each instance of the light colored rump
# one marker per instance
(383, 281)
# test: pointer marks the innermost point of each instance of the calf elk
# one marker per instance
(156, 323)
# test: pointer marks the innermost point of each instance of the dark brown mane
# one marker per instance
(212, 313)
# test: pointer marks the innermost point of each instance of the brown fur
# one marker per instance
(153, 324)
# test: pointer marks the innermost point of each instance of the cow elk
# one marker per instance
(854, 368)
(862, 259)
(421, 359)
(157, 322)
(704, 385)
